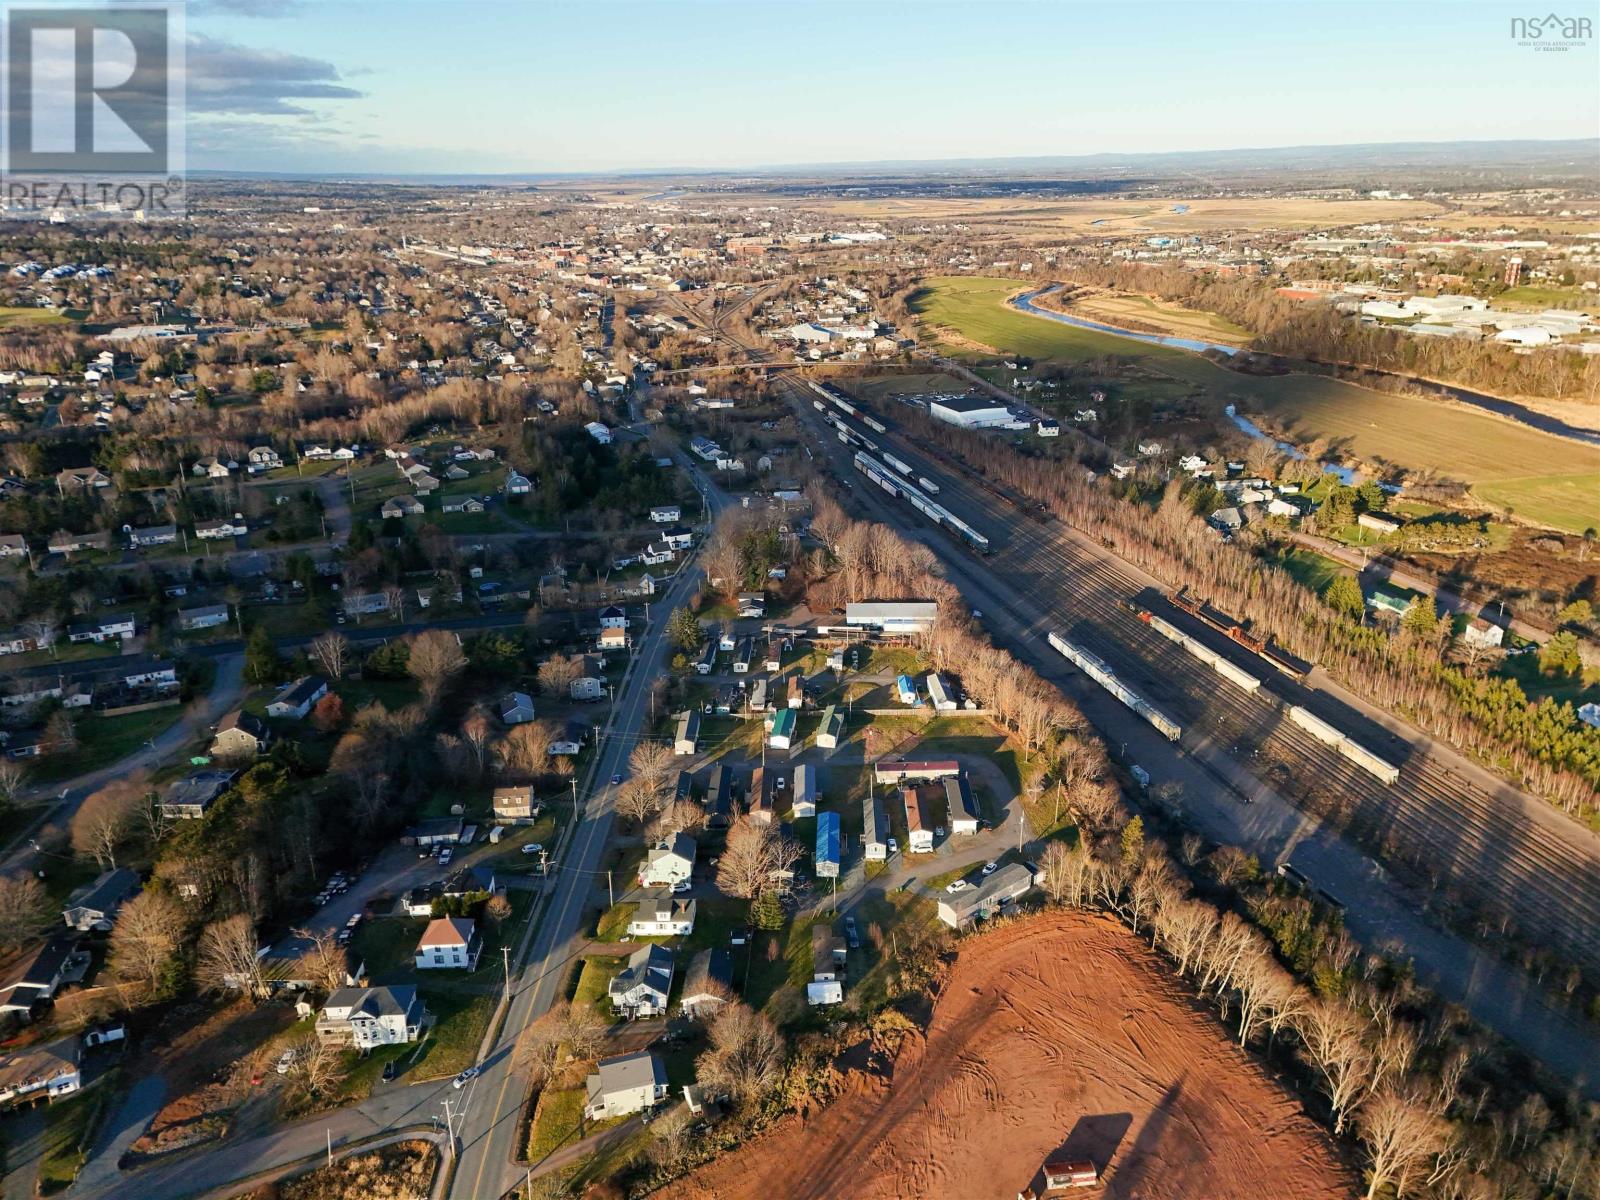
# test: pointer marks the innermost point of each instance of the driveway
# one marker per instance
(132, 1115)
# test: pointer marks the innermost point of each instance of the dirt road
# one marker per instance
(1059, 1033)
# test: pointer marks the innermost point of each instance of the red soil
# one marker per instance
(1060, 1033)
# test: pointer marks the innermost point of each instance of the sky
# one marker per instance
(513, 86)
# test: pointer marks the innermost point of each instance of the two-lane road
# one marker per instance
(489, 1116)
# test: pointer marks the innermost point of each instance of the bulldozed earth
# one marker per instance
(1060, 1035)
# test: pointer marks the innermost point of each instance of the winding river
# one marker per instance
(1509, 409)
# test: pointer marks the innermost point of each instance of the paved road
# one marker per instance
(490, 1114)
(226, 690)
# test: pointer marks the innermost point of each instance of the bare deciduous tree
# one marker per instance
(525, 751)
(24, 911)
(1335, 1040)
(148, 931)
(653, 763)
(226, 958)
(332, 653)
(105, 816)
(324, 962)
(557, 673)
(1402, 1137)
(435, 659)
(745, 1059)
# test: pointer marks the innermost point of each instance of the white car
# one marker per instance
(894, 846)
(285, 1061)
(990, 867)
(959, 885)
(682, 886)
(466, 1077)
(533, 848)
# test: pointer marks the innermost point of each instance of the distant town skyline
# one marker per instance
(495, 86)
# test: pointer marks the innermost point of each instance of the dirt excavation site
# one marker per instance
(1061, 1033)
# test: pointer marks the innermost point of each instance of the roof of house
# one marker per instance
(624, 1073)
(197, 788)
(106, 892)
(469, 879)
(245, 722)
(681, 845)
(32, 1065)
(649, 966)
(447, 931)
(30, 978)
(300, 691)
(391, 1000)
(708, 970)
(1011, 879)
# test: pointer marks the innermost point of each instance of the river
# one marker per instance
(1510, 409)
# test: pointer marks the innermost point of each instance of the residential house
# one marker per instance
(677, 537)
(612, 639)
(207, 616)
(598, 432)
(188, 798)
(919, 822)
(590, 683)
(369, 1017)
(102, 629)
(830, 734)
(449, 943)
(94, 906)
(752, 604)
(707, 984)
(991, 896)
(513, 803)
(1380, 523)
(1483, 634)
(669, 862)
(641, 988)
(152, 535)
(240, 733)
(50, 1068)
(961, 807)
(803, 794)
(666, 514)
(14, 641)
(212, 468)
(518, 484)
(13, 545)
(39, 974)
(874, 829)
(719, 797)
(662, 917)
(940, 693)
(461, 504)
(222, 527)
(262, 458)
(84, 478)
(613, 617)
(826, 859)
(62, 542)
(687, 738)
(760, 808)
(828, 953)
(296, 701)
(516, 708)
(783, 733)
(160, 675)
(888, 771)
(401, 506)
(623, 1085)
(293, 964)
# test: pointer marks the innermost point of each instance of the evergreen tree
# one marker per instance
(1343, 595)
(262, 665)
(684, 631)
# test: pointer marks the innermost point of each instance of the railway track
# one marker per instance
(1471, 840)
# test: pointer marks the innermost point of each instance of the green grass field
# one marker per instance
(1548, 297)
(10, 315)
(1546, 480)
(103, 740)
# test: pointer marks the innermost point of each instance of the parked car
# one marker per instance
(894, 845)
(446, 856)
(990, 867)
(533, 847)
(390, 1070)
(959, 885)
(286, 1060)
(851, 937)
(466, 1077)
(615, 780)
(682, 886)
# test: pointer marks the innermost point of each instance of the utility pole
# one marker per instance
(610, 892)
(329, 1131)
(505, 953)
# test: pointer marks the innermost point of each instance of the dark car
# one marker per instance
(851, 937)
(390, 1070)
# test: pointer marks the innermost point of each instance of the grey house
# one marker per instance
(641, 988)
(624, 1084)
(94, 907)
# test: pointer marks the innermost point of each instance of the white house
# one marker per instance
(668, 863)
(1485, 634)
(919, 828)
(297, 700)
(221, 528)
(641, 988)
(803, 793)
(590, 683)
(516, 708)
(449, 943)
(613, 617)
(368, 1017)
(624, 1084)
(687, 738)
(664, 917)
(666, 514)
(989, 898)
(598, 432)
(49, 1067)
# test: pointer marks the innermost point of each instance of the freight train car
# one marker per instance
(1096, 669)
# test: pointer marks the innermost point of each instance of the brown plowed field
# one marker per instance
(1059, 1032)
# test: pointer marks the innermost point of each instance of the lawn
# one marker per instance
(64, 653)
(593, 980)
(387, 945)
(1310, 569)
(1545, 479)
(454, 1039)
(66, 1123)
(613, 924)
(12, 315)
(104, 740)
(558, 1121)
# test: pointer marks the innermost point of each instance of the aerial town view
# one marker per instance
(799, 600)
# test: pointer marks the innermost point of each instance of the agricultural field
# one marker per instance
(890, 387)
(1148, 314)
(1544, 480)
(1027, 1055)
